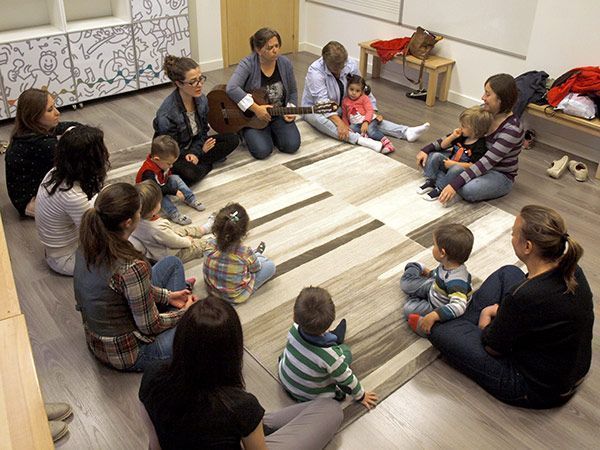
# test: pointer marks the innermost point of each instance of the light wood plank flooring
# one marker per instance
(438, 408)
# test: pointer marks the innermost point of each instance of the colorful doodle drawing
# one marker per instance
(153, 9)
(40, 63)
(104, 62)
(154, 40)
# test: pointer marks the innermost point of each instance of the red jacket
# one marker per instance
(151, 171)
(584, 80)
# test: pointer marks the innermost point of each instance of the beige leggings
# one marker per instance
(196, 251)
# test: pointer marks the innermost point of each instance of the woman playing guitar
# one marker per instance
(266, 69)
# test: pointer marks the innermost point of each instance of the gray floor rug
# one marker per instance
(348, 219)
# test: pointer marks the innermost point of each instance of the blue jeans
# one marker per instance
(459, 341)
(327, 127)
(168, 273)
(279, 133)
(491, 185)
(434, 165)
(417, 287)
(267, 270)
(175, 182)
(373, 132)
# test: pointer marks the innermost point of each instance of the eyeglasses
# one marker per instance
(197, 81)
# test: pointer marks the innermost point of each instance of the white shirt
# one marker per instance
(58, 216)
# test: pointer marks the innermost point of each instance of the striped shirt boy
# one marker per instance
(308, 371)
(450, 291)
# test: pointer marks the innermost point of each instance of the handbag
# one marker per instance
(420, 46)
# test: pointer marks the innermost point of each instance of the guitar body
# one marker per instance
(224, 116)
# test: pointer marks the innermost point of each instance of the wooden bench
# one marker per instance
(591, 127)
(23, 420)
(435, 66)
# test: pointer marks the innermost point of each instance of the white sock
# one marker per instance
(207, 226)
(370, 143)
(413, 133)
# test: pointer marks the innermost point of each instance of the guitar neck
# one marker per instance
(284, 111)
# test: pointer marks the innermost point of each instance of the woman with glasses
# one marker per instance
(265, 69)
(183, 115)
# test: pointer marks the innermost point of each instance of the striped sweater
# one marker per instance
(450, 292)
(504, 146)
(308, 371)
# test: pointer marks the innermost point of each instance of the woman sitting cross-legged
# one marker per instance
(119, 295)
(183, 115)
(67, 192)
(493, 175)
(199, 400)
(30, 154)
(266, 69)
(527, 338)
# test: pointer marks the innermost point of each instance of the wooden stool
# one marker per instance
(434, 66)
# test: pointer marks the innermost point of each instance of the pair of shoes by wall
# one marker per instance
(57, 413)
(578, 169)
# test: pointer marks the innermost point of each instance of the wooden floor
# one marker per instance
(438, 408)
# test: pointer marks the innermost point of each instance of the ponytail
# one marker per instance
(546, 229)
(101, 234)
(568, 262)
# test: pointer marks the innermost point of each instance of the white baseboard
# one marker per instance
(213, 64)
(310, 48)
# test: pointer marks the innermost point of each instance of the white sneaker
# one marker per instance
(558, 167)
(370, 143)
(579, 170)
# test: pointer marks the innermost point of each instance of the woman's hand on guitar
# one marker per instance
(190, 157)
(289, 118)
(262, 112)
(209, 144)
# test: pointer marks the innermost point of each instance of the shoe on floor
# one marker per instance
(579, 170)
(432, 195)
(558, 167)
(426, 187)
(261, 247)
(180, 219)
(197, 205)
(58, 411)
(58, 429)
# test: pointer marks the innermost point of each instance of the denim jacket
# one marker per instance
(171, 119)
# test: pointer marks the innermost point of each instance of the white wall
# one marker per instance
(564, 35)
(205, 33)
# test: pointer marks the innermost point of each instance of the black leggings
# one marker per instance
(192, 173)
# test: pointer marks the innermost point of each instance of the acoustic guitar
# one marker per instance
(224, 115)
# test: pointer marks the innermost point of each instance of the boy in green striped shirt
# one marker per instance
(316, 362)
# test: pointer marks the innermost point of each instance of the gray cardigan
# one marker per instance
(247, 78)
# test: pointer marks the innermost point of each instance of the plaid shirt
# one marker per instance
(230, 275)
(133, 281)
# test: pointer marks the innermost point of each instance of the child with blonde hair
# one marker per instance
(443, 293)
(464, 147)
(233, 271)
(157, 238)
(316, 362)
(157, 167)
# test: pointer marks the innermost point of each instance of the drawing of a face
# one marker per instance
(48, 62)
